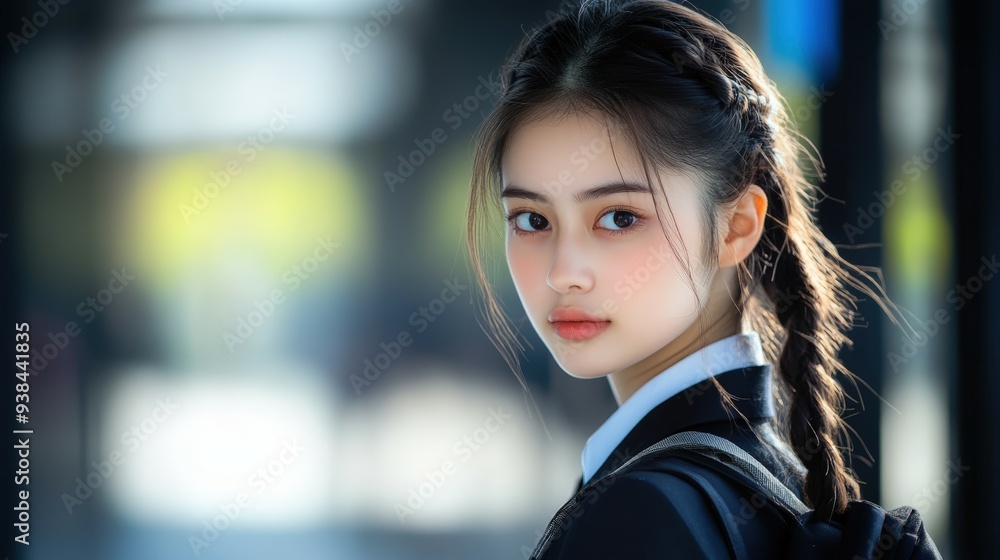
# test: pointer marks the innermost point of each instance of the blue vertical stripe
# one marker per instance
(805, 35)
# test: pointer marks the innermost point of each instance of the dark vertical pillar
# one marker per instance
(851, 147)
(11, 303)
(975, 62)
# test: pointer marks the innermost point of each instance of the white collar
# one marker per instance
(733, 352)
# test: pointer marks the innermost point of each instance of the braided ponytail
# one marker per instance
(805, 287)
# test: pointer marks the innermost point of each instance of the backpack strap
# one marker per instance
(734, 539)
(734, 457)
(703, 443)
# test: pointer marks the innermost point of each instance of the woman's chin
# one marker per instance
(587, 374)
(578, 364)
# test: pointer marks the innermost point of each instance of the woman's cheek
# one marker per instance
(633, 270)
(528, 272)
(650, 277)
(670, 290)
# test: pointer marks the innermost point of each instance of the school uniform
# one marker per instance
(652, 513)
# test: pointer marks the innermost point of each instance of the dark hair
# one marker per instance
(690, 95)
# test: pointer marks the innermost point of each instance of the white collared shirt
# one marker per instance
(733, 352)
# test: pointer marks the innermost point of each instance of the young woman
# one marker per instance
(661, 234)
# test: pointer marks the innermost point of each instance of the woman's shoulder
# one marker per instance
(670, 503)
(641, 514)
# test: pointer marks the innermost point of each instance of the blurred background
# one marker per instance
(236, 230)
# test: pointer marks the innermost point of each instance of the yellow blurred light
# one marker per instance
(918, 234)
(189, 210)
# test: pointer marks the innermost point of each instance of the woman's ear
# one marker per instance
(745, 224)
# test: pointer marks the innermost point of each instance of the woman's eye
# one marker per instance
(617, 219)
(530, 221)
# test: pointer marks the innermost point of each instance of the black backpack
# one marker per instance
(865, 531)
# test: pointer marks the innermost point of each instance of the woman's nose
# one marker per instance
(571, 269)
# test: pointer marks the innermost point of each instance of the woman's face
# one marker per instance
(583, 237)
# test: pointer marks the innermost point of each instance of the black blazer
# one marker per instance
(646, 514)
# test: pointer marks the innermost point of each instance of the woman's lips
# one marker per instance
(579, 330)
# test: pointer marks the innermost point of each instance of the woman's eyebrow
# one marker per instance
(513, 191)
